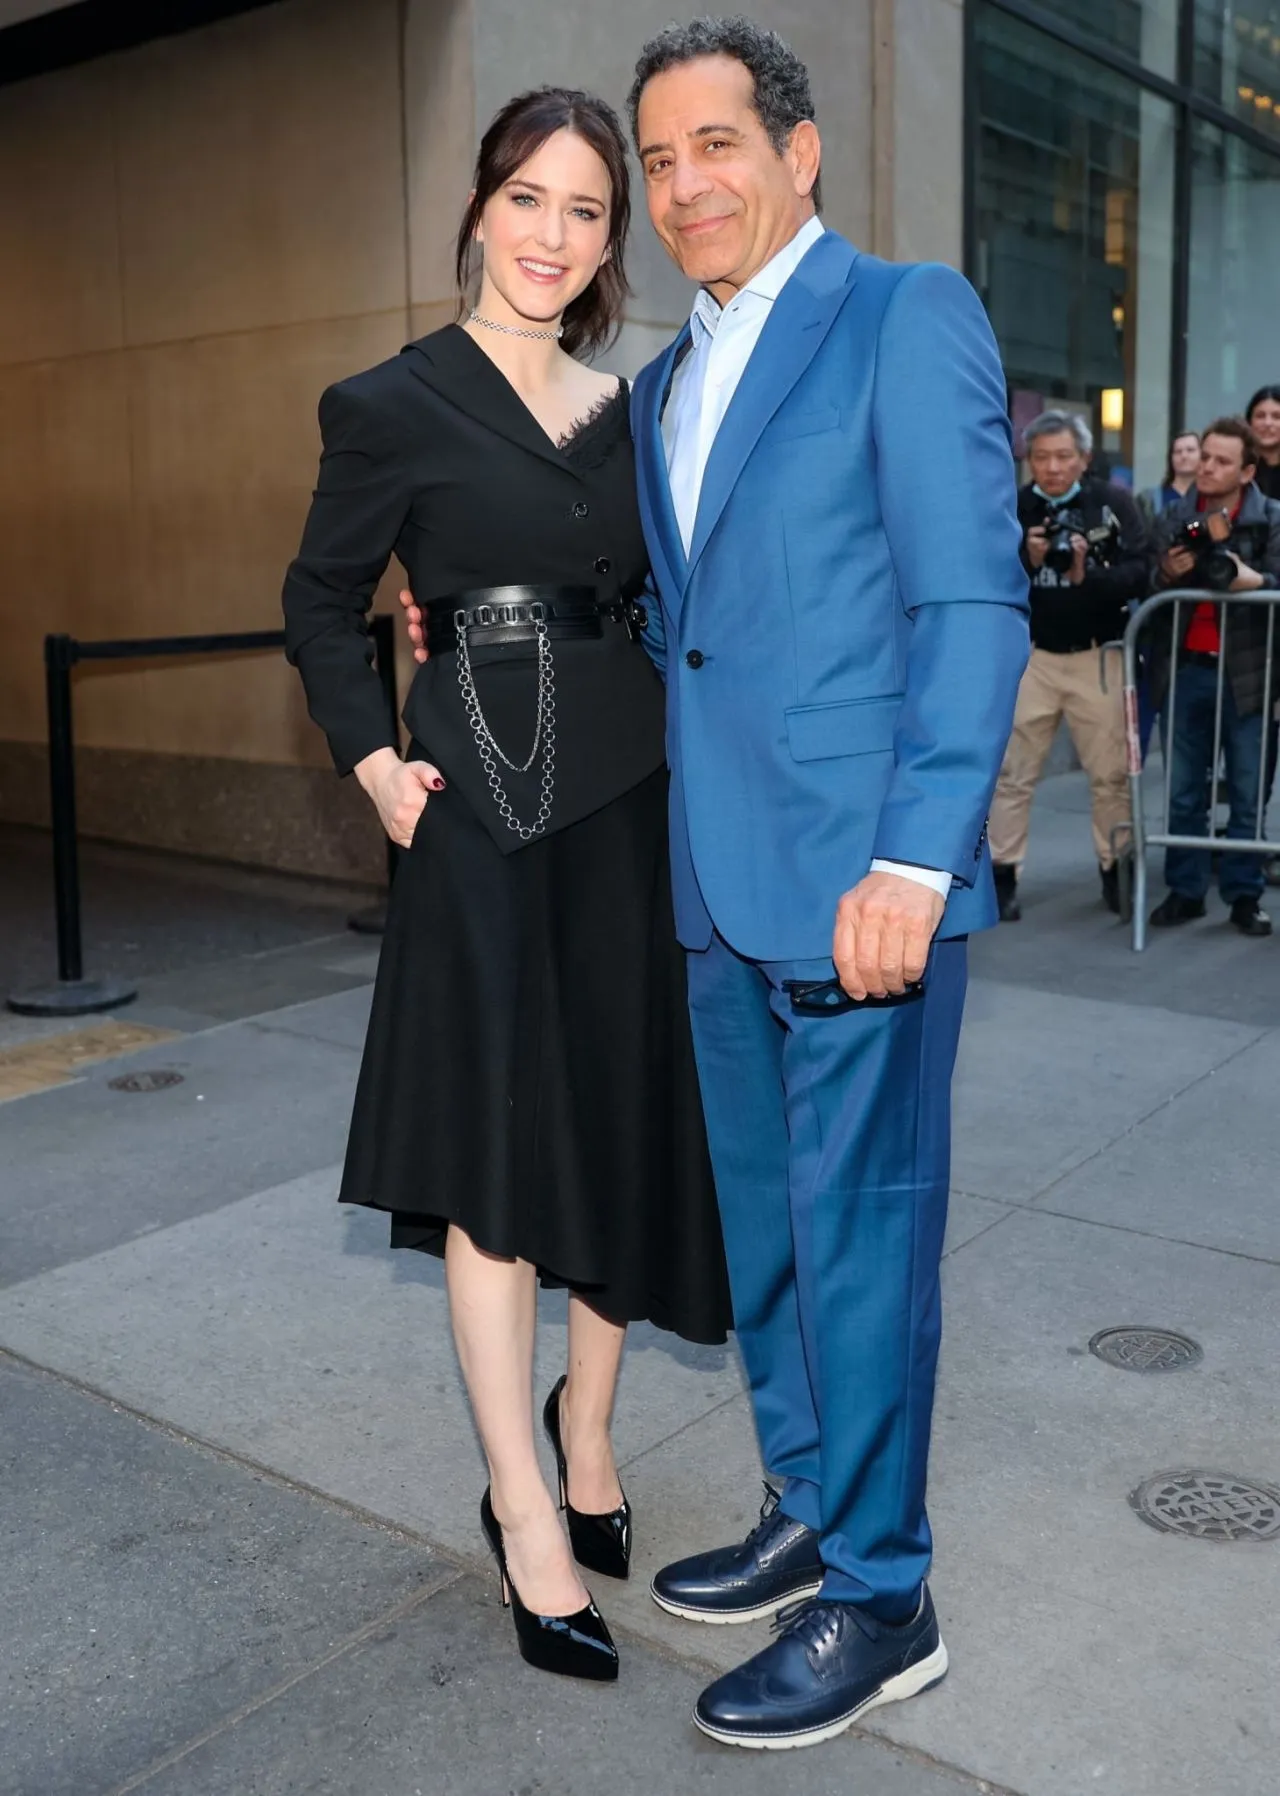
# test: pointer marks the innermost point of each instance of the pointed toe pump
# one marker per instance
(574, 1646)
(600, 1542)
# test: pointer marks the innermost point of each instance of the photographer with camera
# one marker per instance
(1224, 537)
(1085, 551)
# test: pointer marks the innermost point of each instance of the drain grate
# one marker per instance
(1146, 1349)
(158, 1079)
(1209, 1506)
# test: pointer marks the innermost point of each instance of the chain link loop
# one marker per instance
(544, 732)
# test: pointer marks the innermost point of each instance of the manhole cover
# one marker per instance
(1146, 1349)
(157, 1080)
(1209, 1506)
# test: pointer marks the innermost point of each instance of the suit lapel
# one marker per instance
(462, 373)
(794, 331)
(651, 461)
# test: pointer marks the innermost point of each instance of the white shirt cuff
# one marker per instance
(926, 876)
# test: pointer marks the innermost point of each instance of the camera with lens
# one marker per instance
(1062, 522)
(1215, 568)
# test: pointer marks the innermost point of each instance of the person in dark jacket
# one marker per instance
(1217, 638)
(1085, 551)
(1263, 418)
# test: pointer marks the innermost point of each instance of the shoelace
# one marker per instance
(768, 1509)
(813, 1621)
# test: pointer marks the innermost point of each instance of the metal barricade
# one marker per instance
(1143, 838)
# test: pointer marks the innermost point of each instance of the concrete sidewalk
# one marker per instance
(241, 1483)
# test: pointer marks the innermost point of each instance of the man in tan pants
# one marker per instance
(1085, 551)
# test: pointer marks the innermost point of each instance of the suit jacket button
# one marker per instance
(694, 658)
(581, 509)
(603, 565)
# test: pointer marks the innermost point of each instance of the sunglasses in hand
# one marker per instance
(827, 997)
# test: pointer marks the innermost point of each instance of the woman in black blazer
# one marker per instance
(527, 1104)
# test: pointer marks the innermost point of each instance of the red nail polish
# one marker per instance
(437, 785)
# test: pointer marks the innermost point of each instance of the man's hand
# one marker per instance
(1037, 545)
(399, 790)
(884, 929)
(1079, 551)
(417, 635)
(1176, 564)
(1247, 579)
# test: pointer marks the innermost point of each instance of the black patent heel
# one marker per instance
(600, 1542)
(575, 1646)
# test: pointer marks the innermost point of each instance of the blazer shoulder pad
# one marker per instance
(365, 410)
(372, 386)
(934, 280)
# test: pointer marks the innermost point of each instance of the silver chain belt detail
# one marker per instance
(544, 732)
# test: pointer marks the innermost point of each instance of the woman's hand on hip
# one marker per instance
(399, 790)
(417, 634)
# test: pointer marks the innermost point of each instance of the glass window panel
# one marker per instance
(1074, 237)
(1237, 59)
(1146, 30)
(1233, 345)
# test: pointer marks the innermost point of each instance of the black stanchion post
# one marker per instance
(59, 658)
(73, 995)
(373, 919)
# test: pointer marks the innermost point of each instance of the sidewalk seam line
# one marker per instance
(84, 1259)
(1124, 1228)
(982, 1233)
(347, 1645)
(229, 1455)
(1137, 1123)
(684, 1427)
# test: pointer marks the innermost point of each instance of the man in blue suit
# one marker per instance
(842, 628)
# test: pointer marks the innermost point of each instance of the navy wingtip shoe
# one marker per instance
(778, 1562)
(830, 1665)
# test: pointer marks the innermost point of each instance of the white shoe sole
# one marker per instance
(911, 1682)
(719, 1619)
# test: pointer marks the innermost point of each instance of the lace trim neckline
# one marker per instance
(589, 419)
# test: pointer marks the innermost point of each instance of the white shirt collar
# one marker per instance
(767, 282)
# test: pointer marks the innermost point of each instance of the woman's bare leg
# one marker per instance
(586, 1408)
(493, 1303)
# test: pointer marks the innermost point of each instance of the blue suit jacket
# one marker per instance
(843, 644)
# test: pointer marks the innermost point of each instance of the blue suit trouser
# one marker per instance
(830, 1138)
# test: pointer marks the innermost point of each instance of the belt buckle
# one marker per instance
(538, 612)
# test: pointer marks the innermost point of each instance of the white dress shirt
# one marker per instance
(701, 389)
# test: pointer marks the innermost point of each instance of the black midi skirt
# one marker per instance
(528, 1072)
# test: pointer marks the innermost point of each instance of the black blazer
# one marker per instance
(434, 458)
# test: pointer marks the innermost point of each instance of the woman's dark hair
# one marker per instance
(519, 130)
(1262, 393)
(781, 95)
(1176, 438)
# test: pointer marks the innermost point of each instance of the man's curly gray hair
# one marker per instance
(782, 94)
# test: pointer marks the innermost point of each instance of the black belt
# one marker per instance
(1196, 658)
(1077, 648)
(502, 614)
